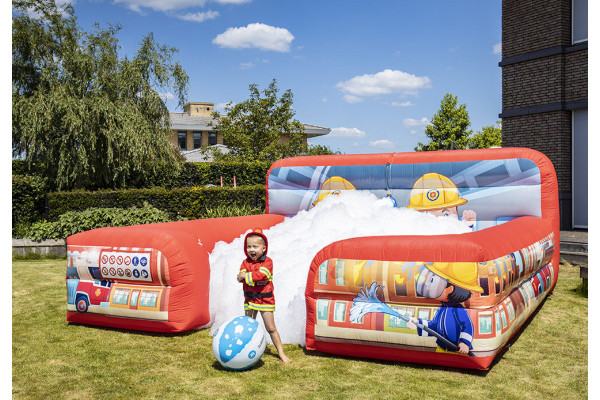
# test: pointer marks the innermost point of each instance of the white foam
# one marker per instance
(294, 243)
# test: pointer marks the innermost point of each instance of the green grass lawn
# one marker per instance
(548, 359)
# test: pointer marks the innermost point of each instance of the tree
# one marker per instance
(489, 136)
(448, 128)
(261, 127)
(86, 117)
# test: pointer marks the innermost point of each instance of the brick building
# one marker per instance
(545, 92)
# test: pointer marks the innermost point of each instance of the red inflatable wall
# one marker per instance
(150, 277)
(363, 294)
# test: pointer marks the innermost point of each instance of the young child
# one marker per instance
(256, 274)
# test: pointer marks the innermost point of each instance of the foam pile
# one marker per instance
(294, 243)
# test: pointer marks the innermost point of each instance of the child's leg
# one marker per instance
(251, 313)
(269, 320)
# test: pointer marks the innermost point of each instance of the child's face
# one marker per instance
(255, 247)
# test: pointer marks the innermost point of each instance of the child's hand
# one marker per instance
(241, 276)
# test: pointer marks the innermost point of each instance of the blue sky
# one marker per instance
(374, 72)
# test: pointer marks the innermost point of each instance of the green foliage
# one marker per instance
(188, 202)
(28, 198)
(73, 222)
(489, 136)
(448, 128)
(235, 211)
(245, 172)
(253, 129)
(86, 117)
(318, 149)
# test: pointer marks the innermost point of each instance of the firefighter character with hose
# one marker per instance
(451, 283)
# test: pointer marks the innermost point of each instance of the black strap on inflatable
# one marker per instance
(255, 295)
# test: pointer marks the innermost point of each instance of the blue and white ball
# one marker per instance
(239, 343)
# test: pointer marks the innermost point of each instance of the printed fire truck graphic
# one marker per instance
(121, 282)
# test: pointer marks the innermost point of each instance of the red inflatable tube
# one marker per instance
(149, 277)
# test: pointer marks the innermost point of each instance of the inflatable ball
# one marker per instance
(239, 343)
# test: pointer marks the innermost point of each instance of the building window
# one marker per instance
(424, 314)
(148, 298)
(212, 138)
(579, 169)
(339, 272)
(134, 297)
(120, 296)
(323, 273)
(182, 140)
(322, 309)
(339, 311)
(485, 323)
(498, 325)
(484, 283)
(197, 140)
(396, 322)
(580, 21)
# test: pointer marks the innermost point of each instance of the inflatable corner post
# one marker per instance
(452, 300)
(148, 277)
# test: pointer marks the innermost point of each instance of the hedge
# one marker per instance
(73, 222)
(195, 174)
(28, 198)
(186, 202)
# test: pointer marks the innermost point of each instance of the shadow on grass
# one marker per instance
(474, 372)
(217, 366)
(137, 332)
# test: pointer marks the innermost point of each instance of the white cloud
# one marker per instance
(166, 96)
(261, 36)
(160, 5)
(382, 143)
(497, 49)
(352, 99)
(246, 65)
(417, 133)
(343, 132)
(169, 5)
(199, 16)
(415, 122)
(384, 82)
(232, 1)
(403, 104)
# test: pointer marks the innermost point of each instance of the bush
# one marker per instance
(28, 198)
(192, 174)
(201, 174)
(177, 203)
(73, 222)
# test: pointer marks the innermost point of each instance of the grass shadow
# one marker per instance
(217, 366)
(137, 332)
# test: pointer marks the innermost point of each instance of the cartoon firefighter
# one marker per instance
(451, 283)
(333, 185)
(438, 195)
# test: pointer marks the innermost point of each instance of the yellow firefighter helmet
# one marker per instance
(434, 191)
(462, 274)
(333, 185)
